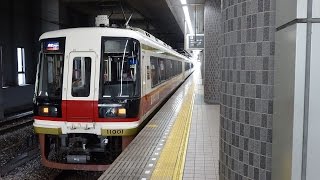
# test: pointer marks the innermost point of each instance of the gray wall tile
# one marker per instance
(212, 31)
(247, 65)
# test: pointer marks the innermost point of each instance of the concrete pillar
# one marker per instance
(247, 71)
(212, 32)
(296, 122)
(201, 58)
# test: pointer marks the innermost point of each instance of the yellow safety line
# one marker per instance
(172, 158)
(187, 133)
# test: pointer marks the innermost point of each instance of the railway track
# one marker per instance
(64, 174)
(75, 175)
(16, 121)
(20, 160)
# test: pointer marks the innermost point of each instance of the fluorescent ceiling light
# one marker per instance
(187, 17)
(183, 2)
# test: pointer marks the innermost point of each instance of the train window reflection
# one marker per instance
(50, 75)
(120, 67)
(81, 77)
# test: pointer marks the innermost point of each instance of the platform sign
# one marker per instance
(195, 41)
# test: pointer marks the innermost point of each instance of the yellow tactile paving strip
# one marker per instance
(172, 158)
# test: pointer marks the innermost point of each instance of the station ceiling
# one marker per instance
(196, 11)
(162, 18)
(152, 16)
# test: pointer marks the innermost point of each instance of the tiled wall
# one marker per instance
(247, 69)
(212, 31)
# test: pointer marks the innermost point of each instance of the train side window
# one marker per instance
(186, 66)
(168, 68)
(171, 69)
(175, 68)
(81, 77)
(162, 70)
(154, 71)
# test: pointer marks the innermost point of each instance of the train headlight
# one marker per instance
(48, 111)
(45, 110)
(122, 112)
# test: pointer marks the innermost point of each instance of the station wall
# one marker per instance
(19, 22)
(20, 29)
(22, 23)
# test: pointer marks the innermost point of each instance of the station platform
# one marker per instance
(180, 142)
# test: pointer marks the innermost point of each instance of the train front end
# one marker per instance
(87, 99)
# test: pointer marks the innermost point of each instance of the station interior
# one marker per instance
(248, 111)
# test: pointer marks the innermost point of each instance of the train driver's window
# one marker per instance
(81, 77)
(120, 67)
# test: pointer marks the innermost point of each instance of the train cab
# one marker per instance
(78, 90)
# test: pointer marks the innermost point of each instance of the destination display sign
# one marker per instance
(52, 46)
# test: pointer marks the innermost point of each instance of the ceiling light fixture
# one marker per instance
(187, 15)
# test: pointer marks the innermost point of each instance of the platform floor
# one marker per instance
(202, 160)
(180, 142)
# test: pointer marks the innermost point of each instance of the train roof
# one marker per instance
(135, 33)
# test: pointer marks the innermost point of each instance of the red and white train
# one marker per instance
(95, 88)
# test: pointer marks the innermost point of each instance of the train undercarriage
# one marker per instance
(81, 151)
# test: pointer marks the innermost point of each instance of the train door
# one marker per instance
(143, 71)
(81, 85)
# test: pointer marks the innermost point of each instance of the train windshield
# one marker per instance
(120, 67)
(50, 75)
(50, 69)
